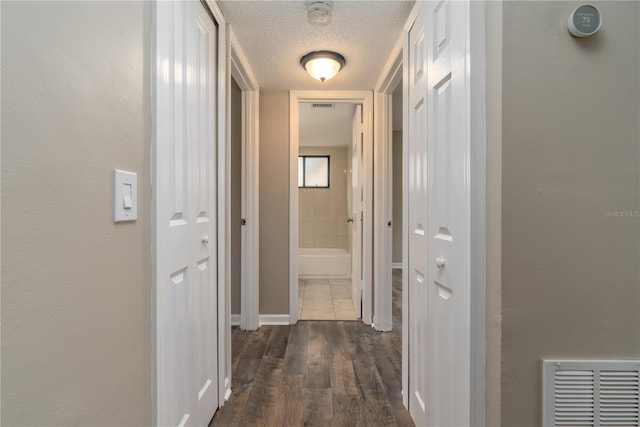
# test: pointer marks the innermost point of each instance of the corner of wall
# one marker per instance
(494, 213)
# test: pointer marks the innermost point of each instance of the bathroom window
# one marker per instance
(313, 172)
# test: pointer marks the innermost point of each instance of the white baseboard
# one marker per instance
(377, 327)
(235, 320)
(274, 319)
(396, 265)
(227, 387)
(264, 319)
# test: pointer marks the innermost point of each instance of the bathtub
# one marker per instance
(324, 263)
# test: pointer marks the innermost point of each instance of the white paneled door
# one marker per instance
(185, 209)
(357, 204)
(439, 215)
(417, 173)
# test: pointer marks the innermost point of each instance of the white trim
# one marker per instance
(405, 204)
(249, 281)
(383, 214)
(227, 394)
(275, 319)
(407, 26)
(240, 68)
(235, 320)
(396, 265)
(293, 206)
(391, 75)
(383, 189)
(405, 209)
(356, 97)
(224, 208)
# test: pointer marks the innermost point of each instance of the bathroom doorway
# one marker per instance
(326, 224)
(330, 224)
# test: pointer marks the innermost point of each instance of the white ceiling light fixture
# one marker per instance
(319, 12)
(323, 64)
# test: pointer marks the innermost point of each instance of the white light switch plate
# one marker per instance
(125, 191)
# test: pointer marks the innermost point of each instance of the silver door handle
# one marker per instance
(205, 239)
(440, 263)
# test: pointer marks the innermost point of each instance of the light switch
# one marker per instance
(127, 202)
(125, 191)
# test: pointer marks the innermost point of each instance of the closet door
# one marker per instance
(185, 215)
(439, 215)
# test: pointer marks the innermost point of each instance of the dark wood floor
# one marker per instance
(318, 373)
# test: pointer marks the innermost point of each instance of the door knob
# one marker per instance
(349, 219)
(440, 263)
(205, 238)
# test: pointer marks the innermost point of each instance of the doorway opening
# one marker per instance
(396, 178)
(331, 206)
(235, 171)
(330, 198)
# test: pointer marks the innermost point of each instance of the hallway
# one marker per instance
(335, 373)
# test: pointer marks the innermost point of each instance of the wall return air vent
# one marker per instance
(591, 393)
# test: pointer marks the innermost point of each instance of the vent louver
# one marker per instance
(322, 105)
(619, 398)
(591, 393)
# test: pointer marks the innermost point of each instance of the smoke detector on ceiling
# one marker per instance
(319, 12)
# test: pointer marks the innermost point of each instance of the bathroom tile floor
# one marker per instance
(325, 299)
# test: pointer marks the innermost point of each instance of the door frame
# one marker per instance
(383, 189)
(250, 140)
(224, 208)
(353, 97)
(222, 195)
(476, 70)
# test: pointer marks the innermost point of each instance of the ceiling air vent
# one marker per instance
(322, 105)
(591, 393)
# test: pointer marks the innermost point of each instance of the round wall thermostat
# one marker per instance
(585, 21)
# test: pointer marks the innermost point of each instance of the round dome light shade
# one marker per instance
(322, 65)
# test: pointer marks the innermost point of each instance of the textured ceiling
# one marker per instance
(275, 34)
(325, 127)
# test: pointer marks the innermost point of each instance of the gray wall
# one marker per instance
(396, 256)
(76, 288)
(236, 195)
(570, 274)
(323, 212)
(494, 212)
(274, 202)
